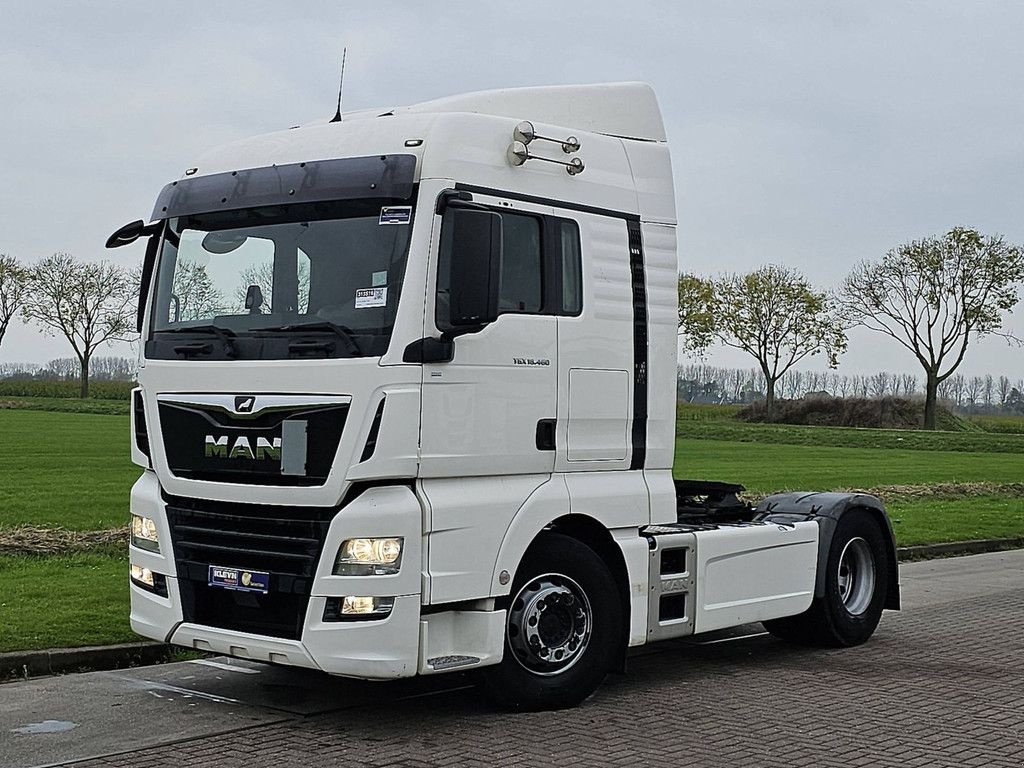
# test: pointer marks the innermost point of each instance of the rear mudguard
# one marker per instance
(826, 509)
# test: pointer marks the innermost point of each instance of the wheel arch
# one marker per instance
(589, 531)
(826, 509)
(592, 533)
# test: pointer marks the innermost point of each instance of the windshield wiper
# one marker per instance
(342, 331)
(224, 334)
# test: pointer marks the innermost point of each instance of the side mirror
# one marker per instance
(128, 234)
(475, 266)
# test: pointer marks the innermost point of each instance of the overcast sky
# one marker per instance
(808, 134)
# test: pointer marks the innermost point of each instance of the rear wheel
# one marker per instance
(562, 630)
(856, 580)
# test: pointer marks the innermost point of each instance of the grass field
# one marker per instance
(71, 470)
(67, 470)
(1007, 424)
(765, 468)
(63, 601)
(928, 521)
(852, 437)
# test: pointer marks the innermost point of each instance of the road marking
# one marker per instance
(152, 685)
(225, 667)
(47, 726)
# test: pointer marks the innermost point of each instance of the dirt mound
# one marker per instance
(946, 490)
(32, 540)
(878, 413)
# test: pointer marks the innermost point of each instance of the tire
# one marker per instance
(566, 598)
(856, 582)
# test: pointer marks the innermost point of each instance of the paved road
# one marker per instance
(940, 684)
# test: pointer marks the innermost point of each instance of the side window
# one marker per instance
(541, 272)
(521, 266)
(571, 267)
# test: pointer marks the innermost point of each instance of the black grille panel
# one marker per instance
(285, 542)
(206, 442)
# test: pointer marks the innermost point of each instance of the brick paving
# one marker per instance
(936, 686)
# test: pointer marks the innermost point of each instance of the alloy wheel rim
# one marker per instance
(549, 624)
(856, 576)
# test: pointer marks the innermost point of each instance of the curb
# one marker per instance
(25, 664)
(954, 548)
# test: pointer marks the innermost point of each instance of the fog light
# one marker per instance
(145, 579)
(143, 576)
(369, 557)
(144, 534)
(355, 608)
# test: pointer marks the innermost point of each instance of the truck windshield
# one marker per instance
(264, 276)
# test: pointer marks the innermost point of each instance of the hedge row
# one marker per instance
(98, 390)
(879, 413)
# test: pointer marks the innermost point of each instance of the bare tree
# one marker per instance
(878, 384)
(113, 368)
(13, 278)
(944, 391)
(959, 388)
(895, 384)
(975, 384)
(844, 385)
(197, 296)
(1004, 390)
(909, 382)
(63, 368)
(988, 390)
(933, 295)
(739, 376)
(89, 303)
(773, 314)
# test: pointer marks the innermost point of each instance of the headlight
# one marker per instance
(369, 557)
(144, 534)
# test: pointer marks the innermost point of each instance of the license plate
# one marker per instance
(239, 579)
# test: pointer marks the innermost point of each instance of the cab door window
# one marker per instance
(540, 267)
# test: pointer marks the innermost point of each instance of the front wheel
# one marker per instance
(562, 630)
(856, 581)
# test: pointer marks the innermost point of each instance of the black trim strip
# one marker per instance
(549, 201)
(636, 269)
(371, 439)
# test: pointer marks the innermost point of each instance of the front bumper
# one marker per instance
(381, 649)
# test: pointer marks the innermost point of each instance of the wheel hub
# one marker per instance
(549, 624)
(856, 576)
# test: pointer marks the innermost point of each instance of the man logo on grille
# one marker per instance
(244, 403)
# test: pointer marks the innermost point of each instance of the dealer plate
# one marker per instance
(239, 579)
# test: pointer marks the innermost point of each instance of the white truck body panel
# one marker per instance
(750, 574)
(458, 470)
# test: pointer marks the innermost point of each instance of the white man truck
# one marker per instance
(406, 405)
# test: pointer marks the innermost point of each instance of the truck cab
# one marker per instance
(406, 405)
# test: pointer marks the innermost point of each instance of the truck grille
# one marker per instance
(207, 441)
(285, 542)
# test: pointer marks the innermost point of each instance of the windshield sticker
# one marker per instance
(371, 297)
(379, 278)
(395, 214)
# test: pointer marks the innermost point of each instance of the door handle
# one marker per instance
(546, 435)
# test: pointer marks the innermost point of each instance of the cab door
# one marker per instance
(491, 410)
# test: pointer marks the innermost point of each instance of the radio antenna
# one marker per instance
(341, 86)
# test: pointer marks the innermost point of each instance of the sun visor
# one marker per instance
(383, 176)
